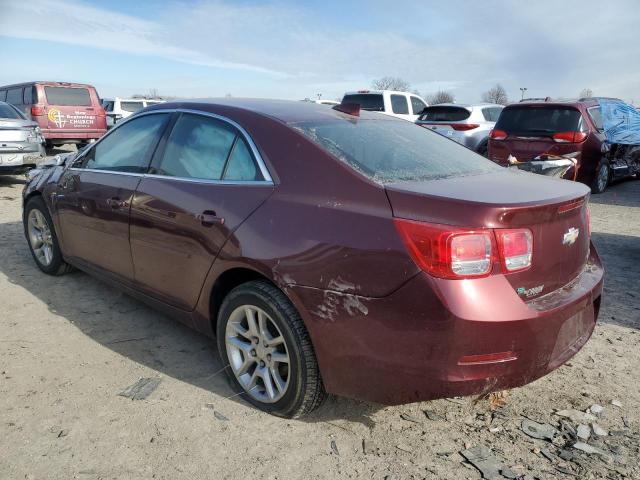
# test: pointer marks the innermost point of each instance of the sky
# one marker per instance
(298, 49)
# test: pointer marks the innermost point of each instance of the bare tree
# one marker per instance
(391, 83)
(441, 96)
(496, 94)
(586, 93)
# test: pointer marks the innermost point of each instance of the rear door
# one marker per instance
(95, 194)
(73, 109)
(204, 182)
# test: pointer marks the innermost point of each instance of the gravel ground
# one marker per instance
(70, 345)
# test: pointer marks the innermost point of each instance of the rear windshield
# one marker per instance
(7, 111)
(539, 120)
(388, 151)
(131, 106)
(107, 105)
(445, 114)
(78, 97)
(367, 101)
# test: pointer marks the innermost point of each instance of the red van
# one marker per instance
(66, 112)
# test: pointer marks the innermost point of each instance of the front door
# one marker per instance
(95, 194)
(201, 186)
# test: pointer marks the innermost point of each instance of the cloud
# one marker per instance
(551, 48)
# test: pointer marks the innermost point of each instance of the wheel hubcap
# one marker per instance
(40, 237)
(257, 354)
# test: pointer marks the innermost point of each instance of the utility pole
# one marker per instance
(523, 89)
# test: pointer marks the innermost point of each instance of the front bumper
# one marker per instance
(408, 346)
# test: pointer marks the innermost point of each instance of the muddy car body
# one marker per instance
(452, 277)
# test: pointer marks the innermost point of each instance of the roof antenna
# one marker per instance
(348, 108)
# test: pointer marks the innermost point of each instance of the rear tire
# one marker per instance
(267, 350)
(601, 178)
(42, 239)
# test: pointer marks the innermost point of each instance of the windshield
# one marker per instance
(539, 120)
(393, 150)
(7, 111)
(367, 101)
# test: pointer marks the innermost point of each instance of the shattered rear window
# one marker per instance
(394, 150)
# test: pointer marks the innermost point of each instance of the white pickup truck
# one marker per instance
(403, 105)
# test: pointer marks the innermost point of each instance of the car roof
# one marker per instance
(466, 105)
(50, 83)
(568, 102)
(286, 111)
(378, 92)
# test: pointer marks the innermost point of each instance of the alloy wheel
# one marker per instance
(257, 353)
(40, 237)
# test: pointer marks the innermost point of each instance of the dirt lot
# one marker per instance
(70, 344)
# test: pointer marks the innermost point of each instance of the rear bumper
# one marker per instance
(12, 162)
(408, 346)
(56, 135)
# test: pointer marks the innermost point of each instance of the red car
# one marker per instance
(348, 253)
(65, 112)
(547, 132)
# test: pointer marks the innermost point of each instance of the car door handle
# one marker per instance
(116, 203)
(209, 218)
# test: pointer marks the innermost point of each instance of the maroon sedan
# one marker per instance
(349, 253)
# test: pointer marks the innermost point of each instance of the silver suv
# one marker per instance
(468, 125)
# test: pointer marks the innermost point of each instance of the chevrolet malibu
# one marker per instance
(327, 250)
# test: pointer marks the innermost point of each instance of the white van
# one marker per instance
(397, 104)
(118, 108)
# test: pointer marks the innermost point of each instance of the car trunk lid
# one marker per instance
(554, 210)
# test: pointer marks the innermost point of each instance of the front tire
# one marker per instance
(42, 239)
(601, 178)
(267, 350)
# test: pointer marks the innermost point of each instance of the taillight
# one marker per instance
(448, 252)
(462, 127)
(588, 220)
(445, 252)
(498, 134)
(515, 247)
(37, 110)
(569, 137)
(101, 113)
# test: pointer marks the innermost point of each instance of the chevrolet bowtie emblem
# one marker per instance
(571, 236)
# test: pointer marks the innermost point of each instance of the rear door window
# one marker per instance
(66, 96)
(241, 165)
(372, 102)
(28, 96)
(417, 105)
(399, 104)
(539, 120)
(596, 115)
(445, 114)
(14, 96)
(127, 148)
(393, 150)
(197, 148)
